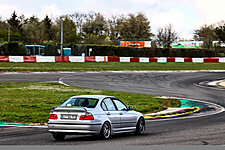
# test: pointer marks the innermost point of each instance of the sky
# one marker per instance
(185, 15)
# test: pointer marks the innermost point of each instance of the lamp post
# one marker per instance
(9, 34)
(61, 48)
(90, 50)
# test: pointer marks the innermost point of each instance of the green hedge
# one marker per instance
(14, 49)
(109, 50)
(152, 52)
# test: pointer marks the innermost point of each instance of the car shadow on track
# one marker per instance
(83, 138)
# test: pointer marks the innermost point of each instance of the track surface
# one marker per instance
(192, 131)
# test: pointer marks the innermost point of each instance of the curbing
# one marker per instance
(22, 125)
(185, 112)
(108, 59)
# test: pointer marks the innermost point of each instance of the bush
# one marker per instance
(151, 52)
(14, 49)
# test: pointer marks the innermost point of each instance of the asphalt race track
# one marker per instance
(208, 130)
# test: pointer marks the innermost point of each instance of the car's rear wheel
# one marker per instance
(105, 132)
(140, 128)
(58, 136)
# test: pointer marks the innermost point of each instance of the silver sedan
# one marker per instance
(94, 114)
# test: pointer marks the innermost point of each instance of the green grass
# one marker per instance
(32, 102)
(105, 66)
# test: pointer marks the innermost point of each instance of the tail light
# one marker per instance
(53, 116)
(86, 117)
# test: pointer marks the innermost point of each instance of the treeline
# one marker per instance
(210, 33)
(86, 28)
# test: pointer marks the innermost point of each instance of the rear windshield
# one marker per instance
(80, 102)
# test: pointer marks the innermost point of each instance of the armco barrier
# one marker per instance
(211, 60)
(107, 59)
(76, 59)
(187, 59)
(197, 60)
(45, 58)
(16, 59)
(61, 58)
(100, 58)
(179, 60)
(113, 59)
(134, 59)
(222, 60)
(215, 60)
(124, 59)
(4, 58)
(29, 59)
(151, 59)
(162, 60)
(90, 59)
(171, 59)
(144, 60)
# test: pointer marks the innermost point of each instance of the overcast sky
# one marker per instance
(184, 15)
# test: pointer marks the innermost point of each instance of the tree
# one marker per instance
(220, 33)
(47, 23)
(114, 24)
(95, 29)
(3, 31)
(16, 30)
(95, 24)
(78, 19)
(33, 31)
(206, 34)
(166, 36)
(15, 23)
(69, 31)
(135, 27)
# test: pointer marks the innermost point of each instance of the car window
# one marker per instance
(80, 102)
(104, 106)
(120, 105)
(109, 104)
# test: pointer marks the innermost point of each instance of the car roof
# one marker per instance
(92, 96)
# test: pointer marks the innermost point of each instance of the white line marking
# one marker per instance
(202, 86)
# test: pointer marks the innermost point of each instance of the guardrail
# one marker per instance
(108, 59)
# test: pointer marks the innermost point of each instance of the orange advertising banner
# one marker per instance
(132, 43)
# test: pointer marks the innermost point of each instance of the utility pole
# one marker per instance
(61, 36)
(9, 34)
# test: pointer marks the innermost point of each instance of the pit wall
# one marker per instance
(107, 59)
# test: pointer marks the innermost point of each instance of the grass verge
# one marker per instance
(32, 102)
(105, 66)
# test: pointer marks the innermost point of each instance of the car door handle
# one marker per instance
(121, 113)
(108, 113)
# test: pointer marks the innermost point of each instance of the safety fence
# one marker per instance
(107, 59)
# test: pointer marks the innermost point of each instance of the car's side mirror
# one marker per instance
(130, 108)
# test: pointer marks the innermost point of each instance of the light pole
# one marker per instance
(9, 34)
(90, 50)
(61, 48)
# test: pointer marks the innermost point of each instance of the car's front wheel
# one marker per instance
(105, 132)
(58, 136)
(140, 128)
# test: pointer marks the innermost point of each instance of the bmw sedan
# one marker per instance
(94, 114)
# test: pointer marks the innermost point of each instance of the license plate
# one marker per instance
(66, 116)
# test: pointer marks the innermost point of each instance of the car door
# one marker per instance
(112, 113)
(127, 118)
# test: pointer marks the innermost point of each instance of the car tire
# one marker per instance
(105, 132)
(140, 128)
(58, 136)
